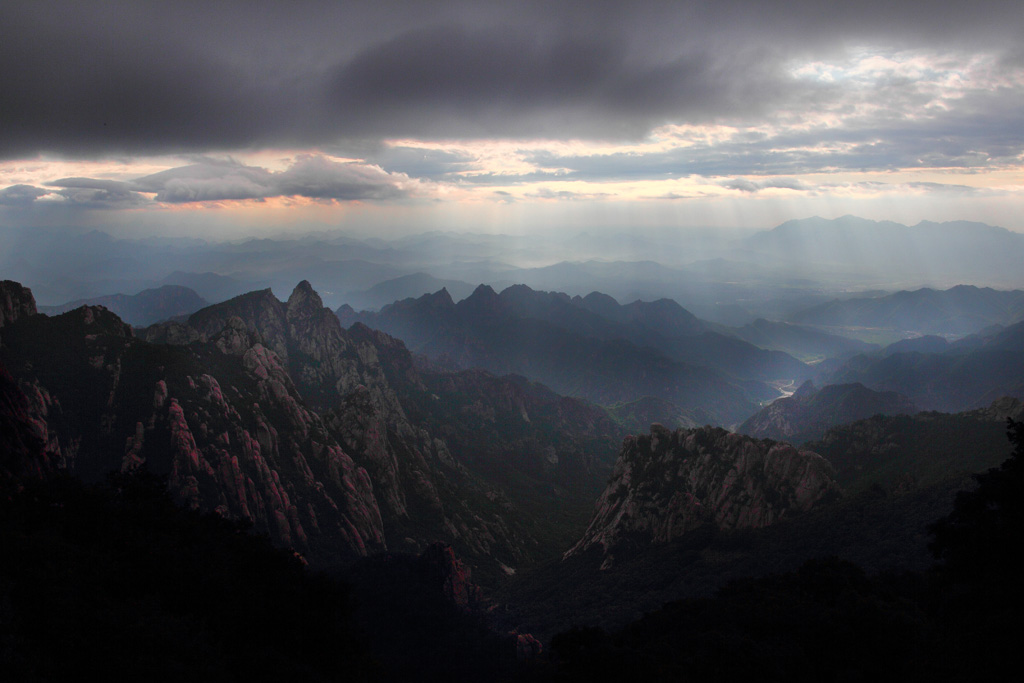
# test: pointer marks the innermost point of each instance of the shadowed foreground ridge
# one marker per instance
(120, 583)
(830, 620)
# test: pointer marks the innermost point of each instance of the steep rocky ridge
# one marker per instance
(423, 493)
(22, 449)
(667, 484)
(15, 302)
(228, 430)
(810, 411)
(663, 325)
(511, 425)
(528, 450)
(959, 310)
(436, 476)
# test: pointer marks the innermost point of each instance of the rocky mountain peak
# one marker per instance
(235, 339)
(304, 298)
(600, 303)
(261, 312)
(1005, 407)
(440, 299)
(667, 483)
(484, 292)
(483, 300)
(346, 315)
(101, 320)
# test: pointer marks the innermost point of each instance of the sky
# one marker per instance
(223, 119)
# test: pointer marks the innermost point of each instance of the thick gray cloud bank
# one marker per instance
(83, 78)
(310, 176)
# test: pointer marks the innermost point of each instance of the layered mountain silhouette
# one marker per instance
(810, 411)
(958, 311)
(591, 347)
(396, 289)
(967, 375)
(799, 341)
(145, 308)
(957, 251)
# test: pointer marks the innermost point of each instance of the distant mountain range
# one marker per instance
(145, 308)
(591, 347)
(404, 287)
(357, 449)
(720, 276)
(957, 311)
(809, 412)
(806, 343)
(955, 251)
(968, 374)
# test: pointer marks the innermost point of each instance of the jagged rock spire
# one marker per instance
(304, 298)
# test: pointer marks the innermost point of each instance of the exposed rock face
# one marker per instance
(22, 446)
(350, 377)
(222, 420)
(271, 412)
(261, 312)
(668, 483)
(809, 412)
(15, 302)
(324, 361)
(1004, 408)
(443, 570)
(528, 648)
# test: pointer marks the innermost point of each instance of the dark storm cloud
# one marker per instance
(505, 81)
(100, 78)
